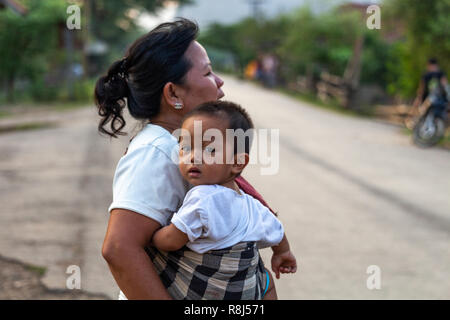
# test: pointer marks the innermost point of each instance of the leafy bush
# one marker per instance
(41, 92)
(27, 42)
(84, 90)
(427, 35)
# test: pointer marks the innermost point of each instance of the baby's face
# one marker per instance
(205, 163)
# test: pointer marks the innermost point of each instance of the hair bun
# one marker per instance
(110, 93)
(117, 79)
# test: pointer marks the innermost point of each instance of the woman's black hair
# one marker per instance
(138, 79)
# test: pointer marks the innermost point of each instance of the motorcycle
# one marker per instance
(431, 125)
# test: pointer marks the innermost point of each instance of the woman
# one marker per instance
(164, 75)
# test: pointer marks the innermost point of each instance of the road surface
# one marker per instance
(351, 192)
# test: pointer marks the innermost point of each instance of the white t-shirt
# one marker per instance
(216, 217)
(147, 178)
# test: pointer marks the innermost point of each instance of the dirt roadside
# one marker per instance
(55, 186)
(19, 281)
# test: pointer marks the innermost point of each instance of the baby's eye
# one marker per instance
(185, 148)
(210, 149)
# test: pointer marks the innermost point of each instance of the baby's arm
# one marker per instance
(169, 238)
(283, 259)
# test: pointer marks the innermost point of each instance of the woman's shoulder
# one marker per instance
(152, 152)
(156, 138)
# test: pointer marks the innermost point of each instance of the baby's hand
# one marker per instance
(283, 262)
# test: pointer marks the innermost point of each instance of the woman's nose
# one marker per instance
(219, 82)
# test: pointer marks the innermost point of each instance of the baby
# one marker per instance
(216, 214)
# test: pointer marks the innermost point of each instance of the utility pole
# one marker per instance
(86, 36)
(256, 8)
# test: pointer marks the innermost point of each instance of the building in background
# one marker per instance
(14, 5)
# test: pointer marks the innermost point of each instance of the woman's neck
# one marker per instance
(169, 126)
(168, 121)
(168, 118)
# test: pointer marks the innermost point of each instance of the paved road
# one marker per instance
(354, 193)
(55, 186)
(351, 193)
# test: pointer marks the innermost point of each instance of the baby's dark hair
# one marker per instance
(238, 118)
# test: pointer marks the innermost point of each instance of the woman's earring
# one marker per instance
(178, 105)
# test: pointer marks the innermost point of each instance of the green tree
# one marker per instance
(375, 54)
(319, 42)
(114, 22)
(304, 41)
(247, 38)
(427, 31)
(26, 42)
(31, 45)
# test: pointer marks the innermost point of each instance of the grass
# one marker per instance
(445, 142)
(3, 114)
(311, 98)
(407, 131)
(41, 97)
(63, 106)
(26, 126)
(331, 106)
(21, 108)
(36, 269)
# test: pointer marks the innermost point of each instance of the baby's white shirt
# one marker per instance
(216, 217)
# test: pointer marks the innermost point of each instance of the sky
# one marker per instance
(230, 11)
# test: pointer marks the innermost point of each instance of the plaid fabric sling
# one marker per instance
(234, 273)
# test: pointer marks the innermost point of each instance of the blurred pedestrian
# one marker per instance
(269, 70)
(433, 81)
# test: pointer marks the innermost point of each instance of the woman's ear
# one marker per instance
(171, 94)
(240, 162)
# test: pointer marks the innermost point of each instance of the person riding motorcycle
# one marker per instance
(434, 86)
